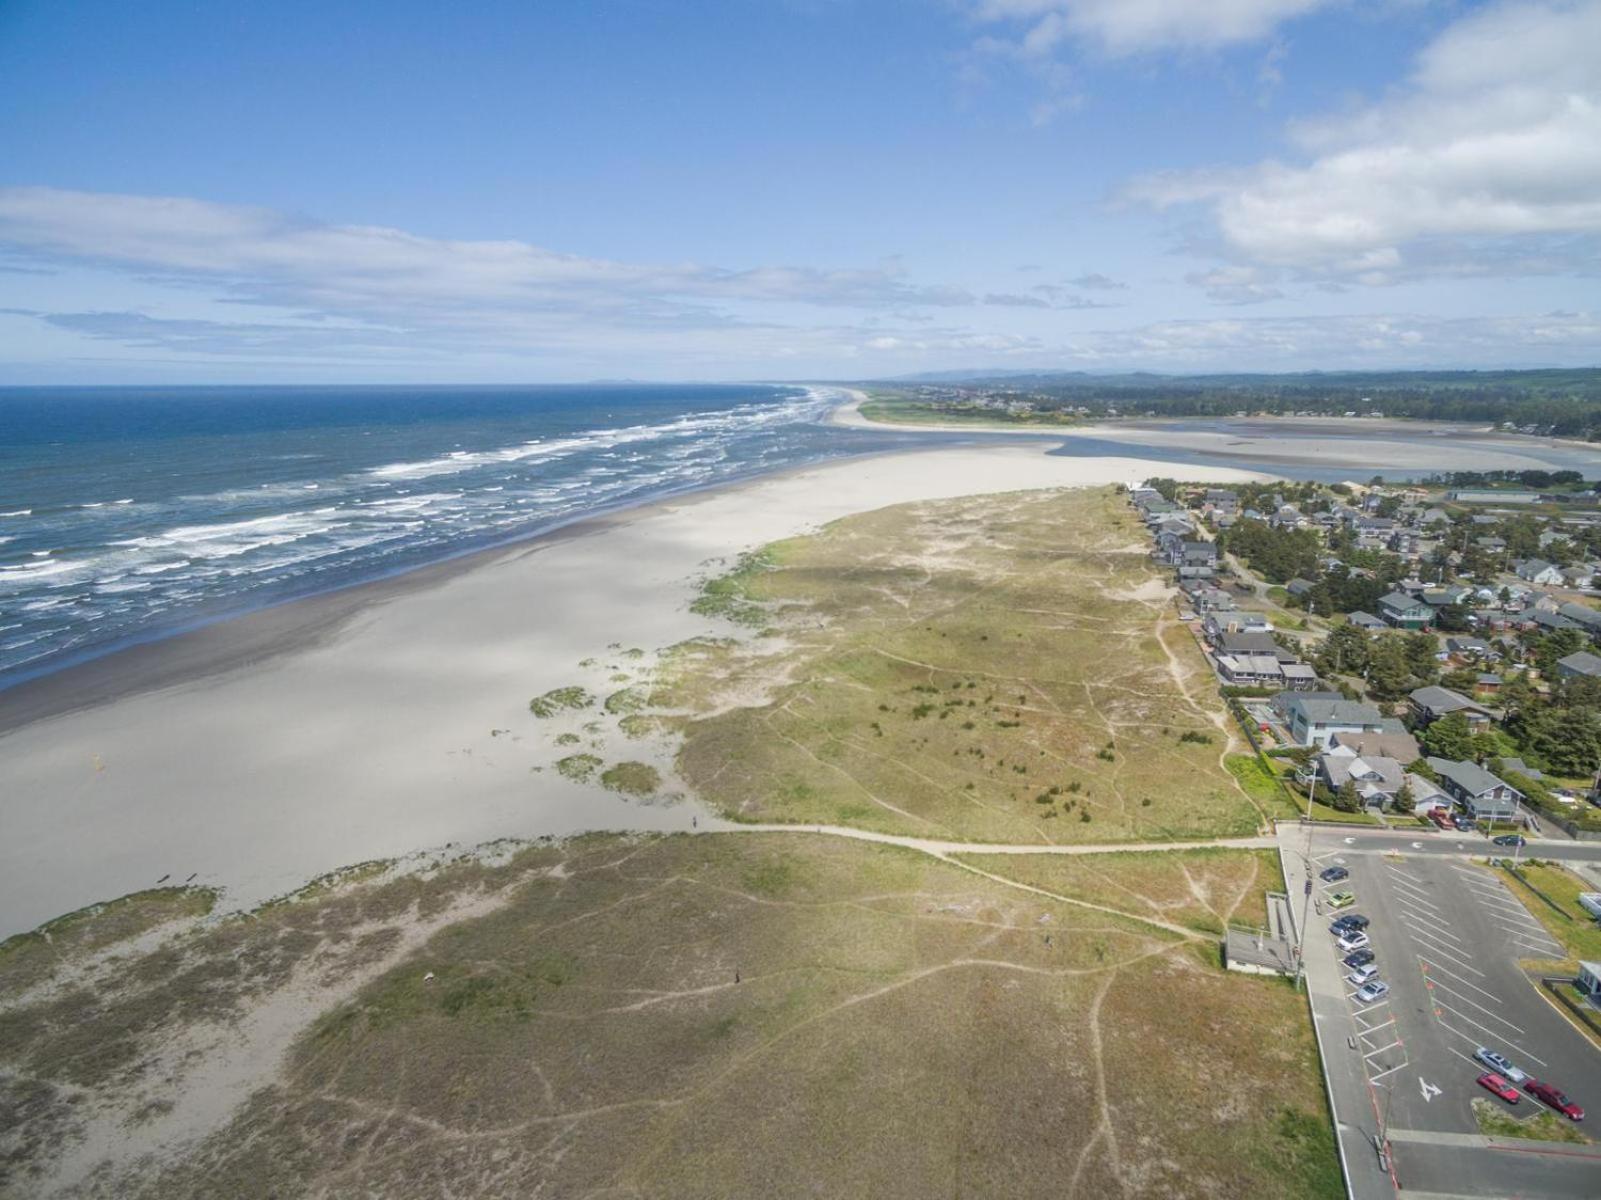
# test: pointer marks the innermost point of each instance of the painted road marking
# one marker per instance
(1429, 1090)
(1478, 1042)
(1400, 1066)
(1436, 967)
(1443, 987)
(1382, 1049)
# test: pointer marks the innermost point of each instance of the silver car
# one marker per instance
(1501, 1065)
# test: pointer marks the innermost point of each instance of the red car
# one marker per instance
(1490, 1081)
(1547, 1094)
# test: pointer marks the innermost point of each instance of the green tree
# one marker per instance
(1568, 739)
(1449, 737)
(1404, 799)
(1346, 797)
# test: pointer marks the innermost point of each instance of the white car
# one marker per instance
(1375, 989)
(1352, 941)
(1363, 973)
(1501, 1065)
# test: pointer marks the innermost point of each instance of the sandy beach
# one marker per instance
(393, 718)
(1367, 445)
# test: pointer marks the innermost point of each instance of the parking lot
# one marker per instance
(1447, 936)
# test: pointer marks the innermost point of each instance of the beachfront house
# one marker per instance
(1485, 796)
(1366, 621)
(1313, 720)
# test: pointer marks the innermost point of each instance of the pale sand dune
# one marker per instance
(373, 739)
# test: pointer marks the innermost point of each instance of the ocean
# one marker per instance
(131, 513)
(128, 514)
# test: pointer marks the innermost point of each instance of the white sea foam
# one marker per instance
(18, 512)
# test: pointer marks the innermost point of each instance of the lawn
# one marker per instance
(726, 1015)
(1001, 668)
(1572, 927)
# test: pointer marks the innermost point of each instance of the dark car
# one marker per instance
(1548, 1094)
(1351, 921)
(1358, 958)
(1510, 839)
(1334, 875)
(1463, 824)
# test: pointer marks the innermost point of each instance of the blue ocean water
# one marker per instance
(127, 513)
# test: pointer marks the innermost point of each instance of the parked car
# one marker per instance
(1334, 875)
(1491, 1082)
(1499, 1064)
(1548, 1094)
(1462, 824)
(1441, 817)
(1349, 921)
(1364, 973)
(1356, 940)
(1372, 990)
(1342, 899)
(1510, 839)
(1359, 958)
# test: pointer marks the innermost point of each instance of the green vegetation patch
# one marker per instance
(628, 700)
(579, 767)
(27, 958)
(947, 663)
(1542, 1125)
(727, 1010)
(734, 596)
(1574, 929)
(632, 779)
(559, 700)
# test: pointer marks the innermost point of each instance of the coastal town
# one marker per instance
(1417, 651)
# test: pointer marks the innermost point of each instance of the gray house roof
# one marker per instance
(1581, 662)
(1364, 620)
(1401, 601)
(1470, 777)
(1317, 710)
(1443, 700)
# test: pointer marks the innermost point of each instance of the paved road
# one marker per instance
(1447, 935)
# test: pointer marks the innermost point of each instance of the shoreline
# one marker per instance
(1357, 442)
(383, 719)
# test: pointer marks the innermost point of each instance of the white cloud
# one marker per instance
(268, 257)
(1490, 151)
(1130, 26)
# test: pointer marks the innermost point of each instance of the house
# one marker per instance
(1299, 676)
(1429, 704)
(1365, 621)
(1469, 649)
(1487, 681)
(1426, 794)
(1581, 663)
(1404, 612)
(1377, 779)
(1402, 747)
(1486, 797)
(1313, 719)
(1516, 766)
(1537, 571)
(1253, 643)
(1234, 620)
(1582, 615)
(1250, 670)
(1299, 587)
(1578, 577)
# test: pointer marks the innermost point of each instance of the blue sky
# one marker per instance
(824, 188)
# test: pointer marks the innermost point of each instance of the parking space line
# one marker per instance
(1500, 1036)
(1373, 1029)
(1390, 1071)
(1428, 911)
(1445, 987)
(1371, 1010)
(1382, 1049)
(1411, 887)
(1442, 970)
(1432, 926)
(1449, 952)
